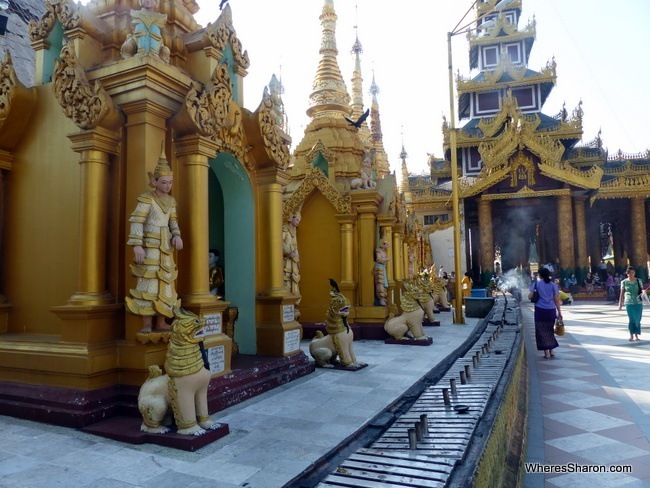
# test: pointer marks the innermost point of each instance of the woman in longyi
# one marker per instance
(154, 235)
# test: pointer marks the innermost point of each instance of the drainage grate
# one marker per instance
(427, 458)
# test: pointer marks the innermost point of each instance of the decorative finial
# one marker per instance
(162, 168)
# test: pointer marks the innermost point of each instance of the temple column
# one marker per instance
(191, 179)
(581, 232)
(398, 248)
(192, 154)
(486, 235)
(6, 161)
(347, 284)
(95, 148)
(91, 311)
(639, 251)
(366, 203)
(278, 332)
(270, 182)
(565, 238)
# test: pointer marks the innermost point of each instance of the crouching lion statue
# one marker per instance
(184, 389)
(408, 325)
(335, 349)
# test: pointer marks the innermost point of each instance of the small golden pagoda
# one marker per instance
(340, 183)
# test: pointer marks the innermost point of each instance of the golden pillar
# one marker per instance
(366, 203)
(347, 284)
(95, 148)
(278, 332)
(565, 231)
(639, 251)
(398, 249)
(91, 314)
(193, 153)
(6, 160)
(486, 235)
(581, 232)
(270, 182)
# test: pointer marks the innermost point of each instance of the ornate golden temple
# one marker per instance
(531, 192)
(113, 83)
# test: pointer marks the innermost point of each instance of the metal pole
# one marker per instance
(458, 306)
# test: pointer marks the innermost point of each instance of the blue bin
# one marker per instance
(478, 293)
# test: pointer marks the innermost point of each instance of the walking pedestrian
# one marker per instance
(547, 309)
(631, 291)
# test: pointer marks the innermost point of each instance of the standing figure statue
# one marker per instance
(291, 256)
(381, 278)
(154, 235)
(147, 33)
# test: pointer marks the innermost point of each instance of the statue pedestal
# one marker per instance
(217, 344)
(410, 342)
(278, 332)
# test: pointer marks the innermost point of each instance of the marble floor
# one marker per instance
(589, 406)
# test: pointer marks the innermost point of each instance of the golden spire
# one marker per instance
(329, 91)
(381, 159)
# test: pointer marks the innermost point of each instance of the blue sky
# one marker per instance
(600, 48)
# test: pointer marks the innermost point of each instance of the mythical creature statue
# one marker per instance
(408, 325)
(184, 389)
(428, 303)
(436, 287)
(365, 180)
(336, 346)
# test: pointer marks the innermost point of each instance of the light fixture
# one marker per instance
(4, 4)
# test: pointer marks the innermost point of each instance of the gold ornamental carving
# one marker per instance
(522, 168)
(222, 33)
(316, 179)
(41, 30)
(526, 192)
(564, 172)
(214, 113)
(65, 11)
(321, 148)
(485, 179)
(8, 83)
(624, 187)
(437, 226)
(518, 76)
(429, 195)
(271, 120)
(85, 104)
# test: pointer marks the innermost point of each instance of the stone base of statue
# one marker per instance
(428, 323)
(338, 365)
(408, 341)
(127, 429)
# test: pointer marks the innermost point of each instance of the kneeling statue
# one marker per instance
(184, 389)
(326, 350)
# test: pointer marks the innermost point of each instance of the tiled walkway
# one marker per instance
(590, 405)
(273, 437)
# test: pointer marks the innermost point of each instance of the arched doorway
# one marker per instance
(232, 232)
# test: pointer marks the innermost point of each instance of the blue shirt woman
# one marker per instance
(546, 310)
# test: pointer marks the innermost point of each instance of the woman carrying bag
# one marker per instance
(547, 309)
